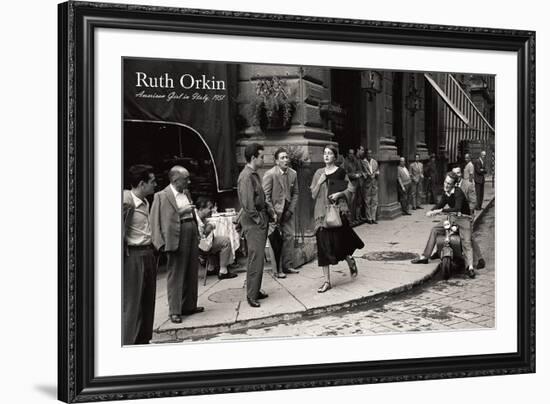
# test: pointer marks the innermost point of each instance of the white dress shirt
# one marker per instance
(182, 201)
(138, 231)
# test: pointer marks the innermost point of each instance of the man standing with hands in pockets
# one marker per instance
(280, 185)
(253, 220)
(175, 233)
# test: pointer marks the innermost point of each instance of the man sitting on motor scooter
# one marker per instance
(456, 200)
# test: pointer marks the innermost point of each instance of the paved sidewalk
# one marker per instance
(296, 296)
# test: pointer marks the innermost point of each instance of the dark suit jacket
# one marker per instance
(480, 171)
(165, 220)
(274, 190)
(252, 199)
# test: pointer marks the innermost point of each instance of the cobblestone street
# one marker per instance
(458, 303)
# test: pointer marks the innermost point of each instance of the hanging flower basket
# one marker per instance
(271, 108)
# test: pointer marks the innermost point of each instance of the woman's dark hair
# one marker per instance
(138, 173)
(252, 150)
(333, 149)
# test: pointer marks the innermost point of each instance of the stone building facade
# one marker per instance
(392, 113)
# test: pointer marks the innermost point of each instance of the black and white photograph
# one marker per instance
(252, 201)
(266, 201)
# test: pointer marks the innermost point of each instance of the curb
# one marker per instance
(173, 335)
(180, 334)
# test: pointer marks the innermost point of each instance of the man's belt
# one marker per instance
(140, 247)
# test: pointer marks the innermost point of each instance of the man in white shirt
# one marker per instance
(175, 233)
(213, 246)
(140, 271)
(469, 169)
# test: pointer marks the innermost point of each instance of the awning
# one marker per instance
(191, 94)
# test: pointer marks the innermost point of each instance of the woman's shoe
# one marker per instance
(352, 267)
(326, 286)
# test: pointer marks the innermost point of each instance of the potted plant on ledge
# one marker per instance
(271, 108)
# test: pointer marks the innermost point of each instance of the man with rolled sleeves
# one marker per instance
(175, 233)
(253, 220)
(140, 270)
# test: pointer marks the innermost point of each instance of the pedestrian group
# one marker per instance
(177, 228)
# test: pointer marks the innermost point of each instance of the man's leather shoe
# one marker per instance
(374, 222)
(419, 207)
(280, 275)
(175, 318)
(406, 213)
(290, 271)
(480, 264)
(262, 295)
(227, 275)
(198, 309)
(419, 261)
(252, 303)
(471, 273)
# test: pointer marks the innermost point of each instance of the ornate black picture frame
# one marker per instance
(76, 353)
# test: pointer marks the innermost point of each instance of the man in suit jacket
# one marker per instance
(479, 177)
(253, 220)
(280, 185)
(140, 270)
(175, 233)
(370, 186)
(469, 191)
(417, 176)
(430, 175)
(354, 169)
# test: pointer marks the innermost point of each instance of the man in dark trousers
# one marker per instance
(430, 176)
(175, 233)
(458, 203)
(140, 271)
(253, 220)
(354, 170)
(479, 178)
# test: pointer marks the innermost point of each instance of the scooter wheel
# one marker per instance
(446, 267)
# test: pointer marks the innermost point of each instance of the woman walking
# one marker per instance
(331, 185)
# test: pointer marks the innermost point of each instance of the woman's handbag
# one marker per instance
(332, 216)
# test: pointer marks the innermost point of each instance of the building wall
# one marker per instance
(315, 115)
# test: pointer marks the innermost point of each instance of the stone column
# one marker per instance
(386, 152)
(309, 90)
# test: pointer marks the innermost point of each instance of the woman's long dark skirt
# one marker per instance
(334, 244)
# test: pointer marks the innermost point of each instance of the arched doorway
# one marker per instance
(164, 145)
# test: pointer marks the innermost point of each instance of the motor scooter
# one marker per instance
(449, 247)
